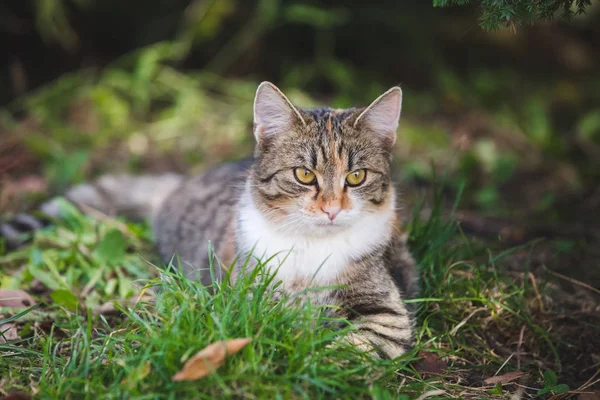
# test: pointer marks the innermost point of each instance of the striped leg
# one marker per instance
(383, 323)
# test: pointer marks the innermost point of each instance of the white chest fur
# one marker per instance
(319, 258)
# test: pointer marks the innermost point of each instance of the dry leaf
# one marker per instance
(13, 190)
(593, 395)
(15, 299)
(430, 363)
(16, 396)
(505, 378)
(8, 332)
(207, 360)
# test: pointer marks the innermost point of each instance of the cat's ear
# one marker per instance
(273, 112)
(383, 115)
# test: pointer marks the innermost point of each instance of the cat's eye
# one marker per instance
(356, 178)
(305, 176)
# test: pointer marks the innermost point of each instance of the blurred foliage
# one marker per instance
(157, 86)
(328, 48)
(495, 13)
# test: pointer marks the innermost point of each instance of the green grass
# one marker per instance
(66, 350)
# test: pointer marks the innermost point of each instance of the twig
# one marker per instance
(430, 393)
(575, 282)
(464, 321)
(519, 348)
(504, 363)
(537, 292)
(100, 216)
(591, 367)
(518, 394)
(589, 382)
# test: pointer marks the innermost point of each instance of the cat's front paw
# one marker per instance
(353, 340)
(371, 345)
(359, 342)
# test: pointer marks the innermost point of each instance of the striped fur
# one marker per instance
(135, 197)
(258, 208)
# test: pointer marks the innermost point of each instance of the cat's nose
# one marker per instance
(332, 211)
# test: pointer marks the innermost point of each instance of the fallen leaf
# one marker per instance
(505, 378)
(15, 299)
(595, 395)
(12, 190)
(16, 396)
(430, 363)
(207, 360)
(8, 332)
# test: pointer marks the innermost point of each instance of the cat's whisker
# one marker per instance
(291, 223)
(287, 224)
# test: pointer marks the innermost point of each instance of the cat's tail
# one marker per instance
(134, 197)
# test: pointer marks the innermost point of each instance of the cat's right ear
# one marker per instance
(382, 116)
(273, 112)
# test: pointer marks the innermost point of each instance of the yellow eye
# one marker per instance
(357, 177)
(305, 176)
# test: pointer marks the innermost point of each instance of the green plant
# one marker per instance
(496, 13)
(551, 384)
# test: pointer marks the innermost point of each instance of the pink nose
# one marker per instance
(332, 211)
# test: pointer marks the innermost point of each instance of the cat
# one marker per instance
(316, 199)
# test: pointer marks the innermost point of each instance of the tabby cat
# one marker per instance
(317, 198)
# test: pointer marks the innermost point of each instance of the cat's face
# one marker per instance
(321, 171)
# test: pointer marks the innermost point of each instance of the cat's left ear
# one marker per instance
(382, 116)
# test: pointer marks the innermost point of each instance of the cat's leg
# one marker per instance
(382, 322)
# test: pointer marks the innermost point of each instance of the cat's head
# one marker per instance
(319, 171)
